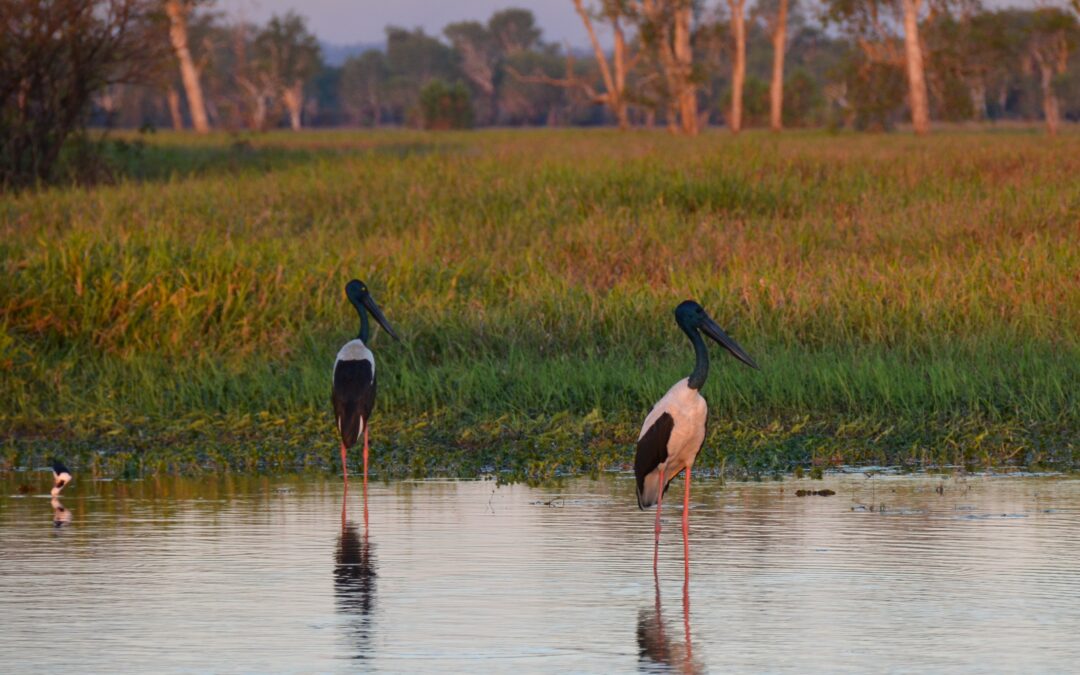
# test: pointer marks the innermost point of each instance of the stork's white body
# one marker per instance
(355, 350)
(689, 412)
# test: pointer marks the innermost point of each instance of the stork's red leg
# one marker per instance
(365, 513)
(659, 502)
(344, 502)
(686, 526)
(344, 468)
(365, 459)
(686, 619)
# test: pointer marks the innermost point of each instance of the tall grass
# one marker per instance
(902, 288)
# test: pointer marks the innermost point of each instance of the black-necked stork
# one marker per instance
(354, 376)
(673, 432)
(61, 477)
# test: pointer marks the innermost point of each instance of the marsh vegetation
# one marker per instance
(910, 302)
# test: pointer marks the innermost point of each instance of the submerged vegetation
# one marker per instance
(910, 302)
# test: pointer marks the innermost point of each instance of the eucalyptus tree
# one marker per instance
(775, 15)
(413, 59)
(875, 25)
(614, 16)
(665, 28)
(179, 13)
(363, 80)
(1051, 34)
(287, 56)
(480, 54)
(514, 30)
(483, 49)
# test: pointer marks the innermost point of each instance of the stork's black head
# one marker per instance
(358, 295)
(356, 290)
(692, 317)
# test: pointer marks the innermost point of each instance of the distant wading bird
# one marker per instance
(61, 477)
(673, 432)
(354, 376)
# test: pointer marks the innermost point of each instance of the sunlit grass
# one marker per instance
(901, 295)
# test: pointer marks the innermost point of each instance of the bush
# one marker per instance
(802, 99)
(876, 93)
(445, 106)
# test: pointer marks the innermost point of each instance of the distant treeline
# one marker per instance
(843, 63)
(863, 64)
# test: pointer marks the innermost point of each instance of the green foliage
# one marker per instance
(803, 101)
(908, 303)
(286, 51)
(755, 102)
(361, 91)
(445, 106)
(414, 58)
(875, 93)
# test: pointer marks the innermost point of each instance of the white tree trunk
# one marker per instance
(177, 11)
(738, 69)
(917, 96)
(978, 99)
(293, 98)
(173, 98)
(776, 87)
(684, 59)
(1051, 108)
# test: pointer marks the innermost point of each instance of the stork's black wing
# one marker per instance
(652, 450)
(353, 397)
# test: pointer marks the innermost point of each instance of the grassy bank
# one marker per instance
(909, 301)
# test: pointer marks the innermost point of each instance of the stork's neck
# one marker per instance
(365, 329)
(701, 360)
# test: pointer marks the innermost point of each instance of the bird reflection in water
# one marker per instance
(61, 516)
(657, 648)
(354, 579)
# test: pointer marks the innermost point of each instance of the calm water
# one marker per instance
(956, 575)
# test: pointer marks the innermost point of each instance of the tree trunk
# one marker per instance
(614, 97)
(293, 98)
(618, 101)
(920, 106)
(776, 88)
(1051, 109)
(258, 115)
(684, 58)
(173, 97)
(672, 118)
(177, 12)
(978, 99)
(738, 69)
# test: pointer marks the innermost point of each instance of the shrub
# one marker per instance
(445, 106)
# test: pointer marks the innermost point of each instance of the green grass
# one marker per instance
(910, 301)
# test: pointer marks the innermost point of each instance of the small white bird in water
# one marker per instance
(354, 376)
(674, 430)
(61, 478)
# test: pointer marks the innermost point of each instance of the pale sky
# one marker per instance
(352, 21)
(347, 22)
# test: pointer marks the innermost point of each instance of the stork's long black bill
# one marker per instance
(710, 328)
(369, 302)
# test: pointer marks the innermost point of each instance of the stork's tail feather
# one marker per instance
(649, 491)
